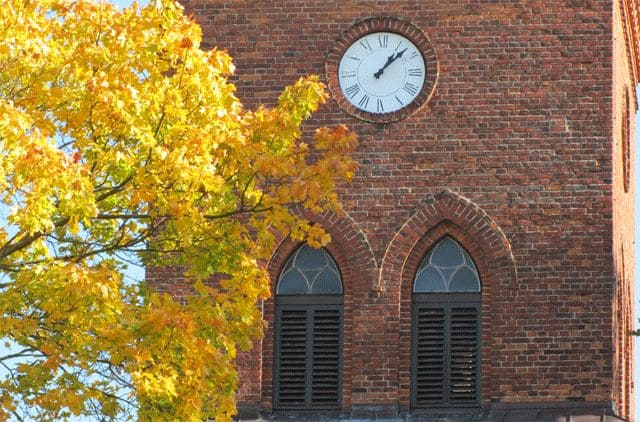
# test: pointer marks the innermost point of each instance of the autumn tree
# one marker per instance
(123, 140)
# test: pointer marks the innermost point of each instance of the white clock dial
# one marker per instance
(381, 72)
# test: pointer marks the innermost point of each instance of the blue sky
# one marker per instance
(125, 3)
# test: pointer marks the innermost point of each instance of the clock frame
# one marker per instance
(359, 32)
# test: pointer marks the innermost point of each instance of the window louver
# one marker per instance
(292, 359)
(326, 358)
(309, 358)
(430, 356)
(464, 341)
(446, 340)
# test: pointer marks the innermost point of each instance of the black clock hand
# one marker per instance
(392, 58)
(400, 54)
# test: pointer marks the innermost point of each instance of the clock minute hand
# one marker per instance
(392, 58)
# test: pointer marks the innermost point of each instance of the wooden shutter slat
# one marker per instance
(430, 337)
(325, 378)
(446, 342)
(292, 341)
(464, 365)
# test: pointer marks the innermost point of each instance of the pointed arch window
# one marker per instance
(308, 330)
(446, 329)
(310, 271)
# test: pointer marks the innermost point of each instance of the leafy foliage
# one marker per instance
(123, 140)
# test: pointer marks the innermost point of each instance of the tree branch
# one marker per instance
(133, 216)
(25, 241)
(21, 354)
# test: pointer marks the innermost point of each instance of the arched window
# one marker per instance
(308, 329)
(446, 329)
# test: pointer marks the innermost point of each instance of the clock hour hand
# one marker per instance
(392, 58)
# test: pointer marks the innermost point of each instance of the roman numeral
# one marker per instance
(383, 40)
(379, 107)
(365, 44)
(397, 47)
(399, 100)
(413, 55)
(355, 58)
(352, 90)
(364, 101)
(410, 88)
(415, 72)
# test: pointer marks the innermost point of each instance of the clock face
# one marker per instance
(381, 72)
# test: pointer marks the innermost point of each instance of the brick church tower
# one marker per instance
(483, 267)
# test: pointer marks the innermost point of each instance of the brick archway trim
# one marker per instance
(441, 207)
(349, 246)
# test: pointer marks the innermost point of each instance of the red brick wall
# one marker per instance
(513, 156)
